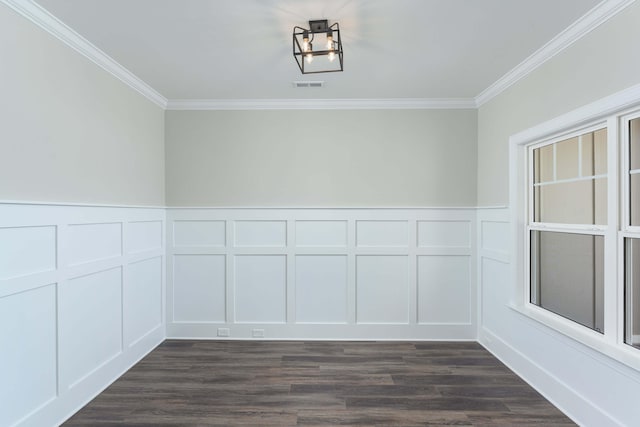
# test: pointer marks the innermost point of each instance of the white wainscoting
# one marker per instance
(393, 274)
(591, 388)
(81, 301)
(493, 241)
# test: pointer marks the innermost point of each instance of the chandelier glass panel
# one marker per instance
(318, 49)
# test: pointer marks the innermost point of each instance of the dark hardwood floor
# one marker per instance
(203, 383)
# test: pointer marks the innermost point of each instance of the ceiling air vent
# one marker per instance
(308, 84)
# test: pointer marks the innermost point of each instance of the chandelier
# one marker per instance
(319, 48)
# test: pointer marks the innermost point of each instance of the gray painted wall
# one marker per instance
(600, 64)
(71, 132)
(321, 158)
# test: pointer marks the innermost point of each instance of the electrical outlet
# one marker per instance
(257, 333)
(223, 332)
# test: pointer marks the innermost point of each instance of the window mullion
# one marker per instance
(613, 287)
(597, 230)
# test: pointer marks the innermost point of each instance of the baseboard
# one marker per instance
(581, 410)
(322, 332)
(68, 403)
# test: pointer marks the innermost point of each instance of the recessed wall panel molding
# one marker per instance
(28, 352)
(260, 288)
(444, 234)
(321, 288)
(199, 288)
(382, 233)
(93, 242)
(144, 236)
(495, 236)
(199, 233)
(142, 299)
(63, 300)
(494, 268)
(382, 289)
(27, 250)
(321, 233)
(494, 278)
(260, 233)
(89, 305)
(444, 292)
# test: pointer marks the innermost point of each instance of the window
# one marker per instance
(569, 190)
(575, 198)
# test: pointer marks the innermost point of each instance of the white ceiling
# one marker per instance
(241, 49)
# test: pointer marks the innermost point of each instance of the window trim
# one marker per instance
(626, 229)
(625, 187)
(610, 112)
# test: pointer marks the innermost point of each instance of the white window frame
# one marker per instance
(626, 229)
(611, 112)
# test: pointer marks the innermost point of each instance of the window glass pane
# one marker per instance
(634, 178)
(634, 146)
(573, 202)
(566, 189)
(543, 164)
(634, 188)
(567, 276)
(599, 153)
(567, 159)
(587, 153)
(632, 292)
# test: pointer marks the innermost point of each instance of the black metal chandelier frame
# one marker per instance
(332, 47)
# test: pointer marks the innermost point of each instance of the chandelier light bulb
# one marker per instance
(332, 56)
(309, 50)
(306, 45)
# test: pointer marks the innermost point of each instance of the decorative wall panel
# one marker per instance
(144, 236)
(260, 233)
(76, 311)
(28, 352)
(382, 233)
(93, 242)
(142, 299)
(199, 233)
(444, 234)
(444, 289)
(382, 287)
(321, 233)
(89, 305)
(260, 288)
(38, 241)
(321, 273)
(199, 291)
(321, 289)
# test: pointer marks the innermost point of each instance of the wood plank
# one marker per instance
(267, 383)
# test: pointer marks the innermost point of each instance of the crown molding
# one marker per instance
(45, 20)
(322, 104)
(580, 28)
(584, 25)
